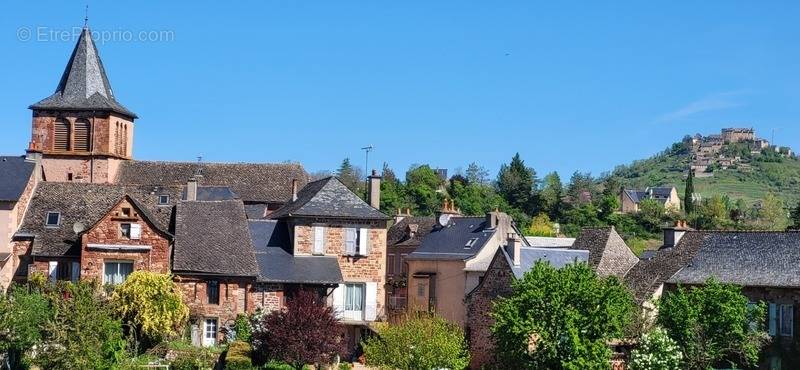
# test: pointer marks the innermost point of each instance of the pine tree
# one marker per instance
(515, 183)
(688, 204)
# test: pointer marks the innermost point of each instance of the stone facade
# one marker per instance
(234, 299)
(155, 252)
(267, 296)
(496, 283)
(11, 216)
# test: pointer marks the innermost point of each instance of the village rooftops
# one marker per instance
(277, 264)
(84, 84)
(410, 231)
(328, 198)
(556, 257)
(16, 172)
(549, 242)
(608, 253)
(461, 239)
(253, 182)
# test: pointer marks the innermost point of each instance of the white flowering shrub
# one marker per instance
(656, 351)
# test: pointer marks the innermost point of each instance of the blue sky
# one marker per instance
(570, 85)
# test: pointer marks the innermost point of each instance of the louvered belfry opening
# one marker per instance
(83, 136)
(62, 136)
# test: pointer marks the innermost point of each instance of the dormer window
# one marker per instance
(53, 219)
(163, 200)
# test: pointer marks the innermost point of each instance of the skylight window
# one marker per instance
(163, 199)
(470, 243)
(53, 219)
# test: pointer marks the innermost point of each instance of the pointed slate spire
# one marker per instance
(84, 84)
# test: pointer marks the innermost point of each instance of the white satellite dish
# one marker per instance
(78, 227)
(444, 219)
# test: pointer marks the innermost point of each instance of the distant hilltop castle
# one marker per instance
(707, 151)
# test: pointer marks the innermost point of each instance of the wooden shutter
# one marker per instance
(82, 136)
(773, 319)
(363, 241)
(136, 231)
(61, 136)
(371, 307)
(319, 240)
(338, 300)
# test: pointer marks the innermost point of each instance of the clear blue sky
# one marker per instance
(571, 86)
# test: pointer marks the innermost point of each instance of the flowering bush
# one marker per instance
(656, 351)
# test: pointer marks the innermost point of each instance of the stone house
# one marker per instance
(452, 260)
(666, 195)
(608, 253)
(403, 238)
(17, 183)
(508, 264)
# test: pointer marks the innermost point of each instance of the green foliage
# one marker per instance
(418, 342)
(83, 332)
(551, 195)
(713, 324)
(345, 366)
(541, 226)
(582, 188)
(656, 351)
(393, 193)
(608, 205)
(477, 174)
(688, 195)
(242, 328)
(710, 214)
(152, 303)
(515, 183)
(194, 358)
(422, 185)
(772, 214)
(22, 315)
(795, 218)
(651, 215)
(560, 319)
(351, 176)
(277, 365)
(238, 356)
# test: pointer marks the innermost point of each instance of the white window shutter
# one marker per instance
(363, 241)
(52, 268)
(350, 241)
(136, 231)
(371, 307)
(773, 319)
(319, 240)
(338, 301)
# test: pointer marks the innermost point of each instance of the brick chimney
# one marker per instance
(191, 189)
(375, 189)
(673, 234)
(514, 249)
(294, 190)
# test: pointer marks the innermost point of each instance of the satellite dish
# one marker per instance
(78, 227)
(444, 219)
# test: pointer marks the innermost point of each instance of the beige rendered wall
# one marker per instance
(450, 284)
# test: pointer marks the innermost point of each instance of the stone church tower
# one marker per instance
(81, 133)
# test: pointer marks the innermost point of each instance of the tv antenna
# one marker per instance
(366, 150)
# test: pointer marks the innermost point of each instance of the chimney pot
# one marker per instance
(294, 190)
(375, 190)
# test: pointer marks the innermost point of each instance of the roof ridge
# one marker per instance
(218, 163)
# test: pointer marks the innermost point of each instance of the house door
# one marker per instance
(210, 332)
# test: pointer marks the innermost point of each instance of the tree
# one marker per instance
(82, 333)
(656, 351)
(151, 303)
(418, 342)
(541, 226)
(581, 188)
(351, 176)
(688, 195)
(476, 174)
(551, 195)
(422, 187)
(772, 214)
(393, 192)
(651, 214)
(607, 206)
(795, 218)
(515, 183)
(560, 319)
(305, 332)
(710, 214)
(23, 312)
(713, 324)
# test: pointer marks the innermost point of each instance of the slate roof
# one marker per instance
(558, 258)
(549, 242)
(84, 84)
(399, 234)
(449, 243)
(608, 253)
(278, 265)
(85, 203)
(209, 193)
(253, 182)
(762, 258)
(328, 197)
(15, 172)
(659, 193)
(213, 238)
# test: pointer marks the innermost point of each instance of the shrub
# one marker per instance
(238, 356)
(419, 342)
(656, 351)
(277, 365)
(194, 358)
(241, 329)
(151, 302)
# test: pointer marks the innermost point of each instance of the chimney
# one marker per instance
(400, 215)
(294, 190)
(191, 189)
(492, 219)
(514, 248)
(375, 190)
(673, 234)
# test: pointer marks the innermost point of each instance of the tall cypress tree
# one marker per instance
(688, 204)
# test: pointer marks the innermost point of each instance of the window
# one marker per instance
(354, 297)
(390, 264)
(356, 241)
(126, 212)
(210, 332)
(319, 240)
(213, 291)
(163, 199)
(83, 136)
(69, 176)
(125, 230)
(781, 320)
(115, 273)
(53, 219)
(62, 136)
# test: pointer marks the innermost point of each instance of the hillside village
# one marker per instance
(239, 244)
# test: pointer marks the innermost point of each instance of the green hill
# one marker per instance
(751, 179)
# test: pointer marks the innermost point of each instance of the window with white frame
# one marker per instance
(354, 301)
(356, 241)
(210, 332)
(53, 219)
(163, 200)
(116, 272)
(319, 240)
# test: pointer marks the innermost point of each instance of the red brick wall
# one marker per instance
(103, 132)
(107, 231)
(235, 297)
(496, 283)
(267, 297)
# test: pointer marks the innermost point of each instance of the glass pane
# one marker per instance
(348, 297)
(111, 269)
(125, 269)
(358, 298)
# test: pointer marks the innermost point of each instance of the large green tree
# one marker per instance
(423, 187)
(713, 325)
(418, 342)
(23, 313)
(351, 176)
(477, 174)
(688, 194)
(560, 319)
(551, 195)
(393, 193)
(582, 188)
(515, 182)
(772, 214)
